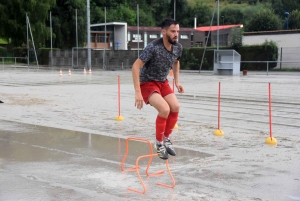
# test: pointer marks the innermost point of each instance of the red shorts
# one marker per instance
(148, 88)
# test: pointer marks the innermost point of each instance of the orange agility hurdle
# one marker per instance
(136, 167)
(138, 173)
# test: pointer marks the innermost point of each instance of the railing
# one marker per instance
(14, 64)
(268, 62)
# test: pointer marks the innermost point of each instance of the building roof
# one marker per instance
(290, 31)
(108, 23)
(135, 28)
(215, 28)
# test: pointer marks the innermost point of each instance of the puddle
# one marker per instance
(79, 165)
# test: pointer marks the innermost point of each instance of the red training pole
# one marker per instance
(270, 111)
(219, 106)
(173, 84)
(119, 94)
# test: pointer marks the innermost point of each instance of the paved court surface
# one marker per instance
(59, 139)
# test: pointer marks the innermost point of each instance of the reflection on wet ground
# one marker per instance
(49, 164)
(77, 161)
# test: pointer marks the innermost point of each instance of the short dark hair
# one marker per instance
(168, 22)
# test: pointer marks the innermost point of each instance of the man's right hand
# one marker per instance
(138, 101)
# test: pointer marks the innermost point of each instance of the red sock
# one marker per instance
(171, 121)
(160, 128)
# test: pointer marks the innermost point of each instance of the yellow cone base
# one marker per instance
(219, 133)
(271, 141)
(176, 126)
(119, 118)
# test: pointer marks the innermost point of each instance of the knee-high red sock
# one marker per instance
(171, 121)
(160, 128)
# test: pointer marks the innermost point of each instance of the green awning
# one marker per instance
(3, 41)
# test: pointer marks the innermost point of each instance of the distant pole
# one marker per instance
(223, 42)
(280, 57)
(287, 20)
(104, 56)
(138, 27)
(88, 34)
(174, 9)
(51, 39)
(27, 41)
(218, 25)
(76, 37)
(37, 62)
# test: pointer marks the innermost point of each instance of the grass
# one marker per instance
(223, 3)
(295, 69)
(3, 41)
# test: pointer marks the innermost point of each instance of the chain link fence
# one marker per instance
(288, 57)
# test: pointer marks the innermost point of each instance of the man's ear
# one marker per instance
(163, 31)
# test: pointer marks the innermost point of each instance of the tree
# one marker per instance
(64, 23)
(232, 15)
(265, 20)
(278, 7)
(250, 12)
(13, 20)
(202, 12)
(181, 10)
(290, 5)
(294, 19)
(159, 10)
(236, 38)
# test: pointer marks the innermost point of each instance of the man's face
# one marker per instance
(172, 33)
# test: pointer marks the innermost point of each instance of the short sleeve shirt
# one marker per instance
(158, 61)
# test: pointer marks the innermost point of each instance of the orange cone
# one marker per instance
(171, 73)
(60, 73)
(70, 74)
(84, 71)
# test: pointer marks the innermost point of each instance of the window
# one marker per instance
(92, 38)
(198, 44)
(128, 36)
(153, 36)
(136, 36)
(145, 39)
(100, 39)
(184, 36)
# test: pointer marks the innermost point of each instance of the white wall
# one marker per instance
(282, 40)
(121, 35)
(288, 43)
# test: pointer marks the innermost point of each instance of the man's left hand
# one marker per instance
(180, 88)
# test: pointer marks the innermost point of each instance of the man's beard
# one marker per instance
(171, 41)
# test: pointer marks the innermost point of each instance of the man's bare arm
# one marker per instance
(176, 68)
(138, 64)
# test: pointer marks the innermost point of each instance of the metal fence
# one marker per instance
(293, 64)
(14, 62)
(289, 54)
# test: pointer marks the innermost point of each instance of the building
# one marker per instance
(283, 38)
(116, 33)
(224, 34)
(288, 43)
(119, 36)
(188, 37)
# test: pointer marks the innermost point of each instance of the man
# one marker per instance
(150, 73)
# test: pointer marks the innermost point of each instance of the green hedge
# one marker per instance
(20, 52)
(268, 51)
(43, 55)
(3, 52)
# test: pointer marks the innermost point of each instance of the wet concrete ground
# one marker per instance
(59, 139)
